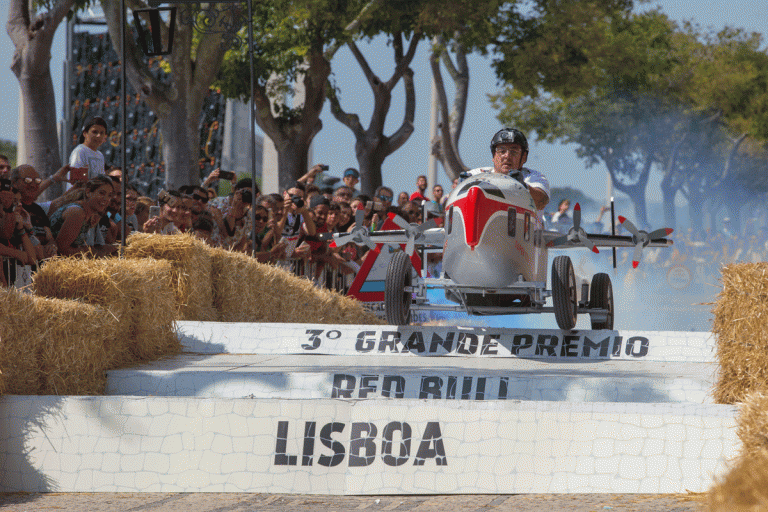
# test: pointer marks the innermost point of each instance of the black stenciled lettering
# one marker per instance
(616, 351)
(360, 442)
(450, 391)
(542, 345)
(446, 343)
(393, 380)
(589, 346)
(466, 388)
(281, 446)
(521, 342)
(503, 388)
(467, 343)
(490, 345)
(389, 340)
(365, 341)
(430, 387)
(415, 343)
(343, 386)
(387, 442)
(431, 446)
(314, 339)
(367, 385)
(335, 446)
(309, 443)
(642, 350)
(570, 346)
(480, 391)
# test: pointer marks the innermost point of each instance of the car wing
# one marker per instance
(601, 240)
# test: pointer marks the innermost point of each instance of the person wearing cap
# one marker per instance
(509, 149)
(350, 178)
(87, 154)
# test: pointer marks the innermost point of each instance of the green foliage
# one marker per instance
(9, 149)
(285, 32)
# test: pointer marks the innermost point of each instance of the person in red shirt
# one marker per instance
(421, 184)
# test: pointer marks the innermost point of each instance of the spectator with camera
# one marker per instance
(164, 220)
(224, 203)
(235, 225)
(25, 179)
(75, 225)
(15, 229)
(295, 215)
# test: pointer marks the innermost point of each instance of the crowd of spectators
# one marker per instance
(291, 226)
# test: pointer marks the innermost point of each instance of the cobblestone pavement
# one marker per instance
(232, 502)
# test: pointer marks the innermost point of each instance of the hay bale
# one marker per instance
(248, 291)
(745, 487)
(136, 292)
(191, 264)
(52, 346)
(741, 326)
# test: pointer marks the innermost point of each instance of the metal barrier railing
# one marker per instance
(322, 274)
(16, 275)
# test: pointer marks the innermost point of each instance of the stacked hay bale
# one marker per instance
(745, 487)
(191, 270)
(741, 326)
(248, 291)
(137, 293)
(52, 346)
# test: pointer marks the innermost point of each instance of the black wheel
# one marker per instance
(601, 296)
(397, 301)
(564, 297)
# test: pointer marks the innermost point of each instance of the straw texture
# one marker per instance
(136, 292)
(51, 346)
(248, 291)
(191, 270)
(741, 327)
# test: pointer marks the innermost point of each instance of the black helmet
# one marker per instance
(509, 136)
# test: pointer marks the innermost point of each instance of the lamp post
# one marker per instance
(155, 38)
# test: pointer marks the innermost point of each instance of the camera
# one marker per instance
(324, 167)
(246, 196)
(6, 185)
(298, 201)
(226, 175)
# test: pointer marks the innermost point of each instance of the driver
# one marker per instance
(509, 148)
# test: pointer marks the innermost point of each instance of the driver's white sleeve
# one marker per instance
(537, 180)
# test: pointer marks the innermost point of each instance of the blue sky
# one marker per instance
(334, 145)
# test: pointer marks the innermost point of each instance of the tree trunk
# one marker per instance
(445, 147)
(371, 145)
(635, 191)
(31, 65)
(178, 105)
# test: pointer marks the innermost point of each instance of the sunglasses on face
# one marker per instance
(259, 218)
(29, 181)
(385, 198)
(204, 199)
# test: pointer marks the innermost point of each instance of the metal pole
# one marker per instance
(613, 230)
(253, 128)
(123, 156)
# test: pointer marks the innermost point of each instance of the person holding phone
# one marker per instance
(86, 161)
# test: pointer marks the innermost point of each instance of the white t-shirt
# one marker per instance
(531, 178)
(83, 156)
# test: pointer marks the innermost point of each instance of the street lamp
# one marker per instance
(152, 43)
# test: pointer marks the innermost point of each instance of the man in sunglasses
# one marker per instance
(509, 149)
(26, 179)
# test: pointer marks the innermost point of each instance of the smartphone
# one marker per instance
(78, 174)
(154, 211)
(324, 167)
(369, 205)
(226, 175)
